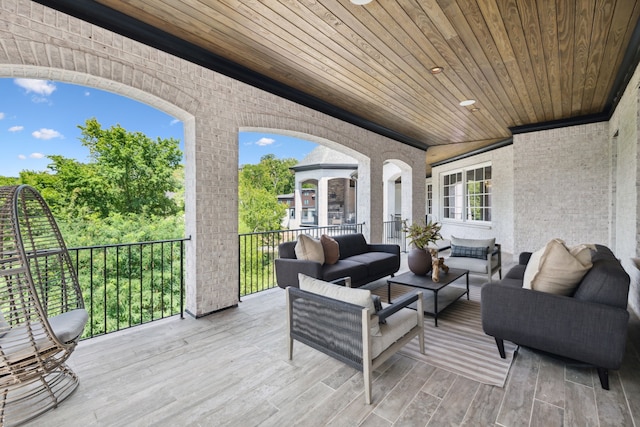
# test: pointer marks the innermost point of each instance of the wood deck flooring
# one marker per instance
(231, 369)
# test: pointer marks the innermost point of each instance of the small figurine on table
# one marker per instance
(437, 263)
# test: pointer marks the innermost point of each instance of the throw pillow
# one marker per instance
(474, 243)
(560, 271)
(469, 251)
(309, 249)
(532, 267)
(361, 297)
(330, 248)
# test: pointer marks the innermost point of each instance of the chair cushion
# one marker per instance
(331, 249)
(69, 326)
(469, 251)
(474, 265)
(397, 326)
(474, 243)
(309, 249)
(361, 297)
(557, 269)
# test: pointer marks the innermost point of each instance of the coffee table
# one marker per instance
(441, 295)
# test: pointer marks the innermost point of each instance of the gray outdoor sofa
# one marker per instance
(589, 326)
(360, 261)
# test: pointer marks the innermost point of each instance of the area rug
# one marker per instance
(458, 344)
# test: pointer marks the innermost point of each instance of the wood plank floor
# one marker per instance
(231, 369)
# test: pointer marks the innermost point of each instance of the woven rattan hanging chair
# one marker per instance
(41, 309)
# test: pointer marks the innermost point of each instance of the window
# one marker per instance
(466, 194)
(429, 199)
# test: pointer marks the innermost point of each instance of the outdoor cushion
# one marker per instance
(474, 243)
(377, 263)
(559, 271)
(469, 251)
(309, 249)
(351, 244)
(361, 297)
(396, 326)
(331, 249)
(474, 265)
(343, 268)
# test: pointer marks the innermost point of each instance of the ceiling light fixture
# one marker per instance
(475, 109)
(436, 70)
(467, 102)
(360, 2)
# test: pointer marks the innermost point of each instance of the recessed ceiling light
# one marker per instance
(467, 102)
(475, 109)
(360, 2)
(436, 70)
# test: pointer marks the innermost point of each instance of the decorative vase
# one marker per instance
(419, 261)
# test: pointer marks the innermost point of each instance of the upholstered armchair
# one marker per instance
(343, 323)
(479, 256)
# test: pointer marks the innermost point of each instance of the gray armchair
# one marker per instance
(479, 256)
(343, 330)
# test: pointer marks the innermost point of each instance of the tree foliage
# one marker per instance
(134, 173)
(259, 185)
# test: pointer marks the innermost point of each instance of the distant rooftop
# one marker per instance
(325, 158)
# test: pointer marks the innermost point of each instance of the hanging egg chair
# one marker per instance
(42, 313)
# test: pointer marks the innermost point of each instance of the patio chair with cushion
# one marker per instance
(343, 323)
(41, 309)
(479, 256)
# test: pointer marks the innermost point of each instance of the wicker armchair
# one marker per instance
(343, 330)
(41, 309)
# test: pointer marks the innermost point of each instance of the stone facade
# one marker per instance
(38, 42)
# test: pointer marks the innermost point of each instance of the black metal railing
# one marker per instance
(392, 233)
(259, 250)
(130, 284)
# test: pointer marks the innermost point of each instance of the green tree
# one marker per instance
(259, 185)
(133, 173)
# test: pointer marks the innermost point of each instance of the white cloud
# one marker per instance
(265, 141)
(40, 87)
(1, 116)
(174, 122)
(46, 134)
(22, 156)
(16, 128)
(36, 155)
(87, 93)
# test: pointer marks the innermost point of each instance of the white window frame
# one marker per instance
(461, 197)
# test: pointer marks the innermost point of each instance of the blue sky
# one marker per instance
(40, 118)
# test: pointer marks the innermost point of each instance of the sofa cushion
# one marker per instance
(396, 327)
(474, 265)
(343, 268)
(469, 251)
(351, 244)
(474, 243)
(559, 270)
(377, 263)
(331, 249)
(361, 297)
(309, 249)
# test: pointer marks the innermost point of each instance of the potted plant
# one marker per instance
(420, 235)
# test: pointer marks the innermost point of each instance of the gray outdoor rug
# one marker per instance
(459, 344)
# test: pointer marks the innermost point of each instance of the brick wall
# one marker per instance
(37, 42)
(561, 186)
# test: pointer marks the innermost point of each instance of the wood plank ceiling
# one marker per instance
(525, 62)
